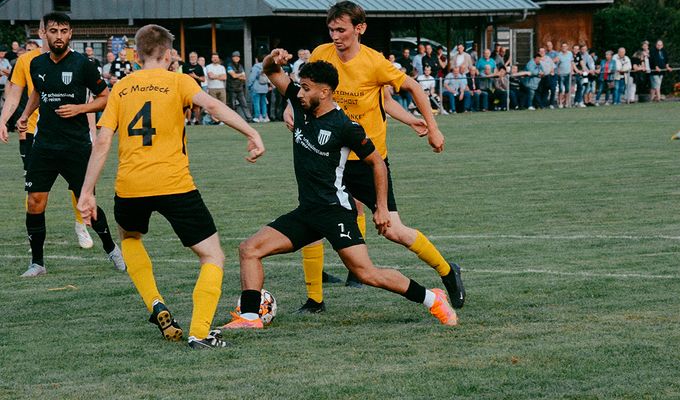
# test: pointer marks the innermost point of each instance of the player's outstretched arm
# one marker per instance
(396, 111)
(71, 110)
(434, 135)
(12, 98)
(87, 204)
(381, 216)
(271, 66)
(230, 117)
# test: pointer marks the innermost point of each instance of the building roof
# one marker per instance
(23, 10)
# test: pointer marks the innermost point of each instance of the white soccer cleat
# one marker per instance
(676, 136)
(34, 270)
(84, 238)
(117, 257)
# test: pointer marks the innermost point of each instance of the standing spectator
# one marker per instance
(486, 83)
(548, 81)
(474, 53)
(462, 58)
(194, 70)
(501, 88)
(640, 61)
(516, 87)
(106, 69)
(442, 59)
(121, 67)
(89, 53)
(456, 90)
(606, 83)
(406, 62)
(428, 84)
(480, 99)
(588, 67)
(658, 62)
(486, 60)
(578, 77)
(258, 85)
(204, 82)
(533, 79)
(391, 58)
(5, 69)
(430, 58)
(217, 77)
(418, 60)
(565, 68)
(623, 68)
(236, 81)
(303, 57)
(14, 52)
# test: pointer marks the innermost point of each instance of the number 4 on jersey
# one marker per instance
(146, 131)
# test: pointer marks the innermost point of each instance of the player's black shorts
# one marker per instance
(359, 183)
(309, 224)
(44, 165)
(186, 212)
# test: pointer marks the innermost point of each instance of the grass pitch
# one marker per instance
(565, 223)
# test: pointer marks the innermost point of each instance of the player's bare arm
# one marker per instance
(87, 204)
(225, 114)
(31, 106)
(381, 216)
(71, 110)
(12, 97)
(271, 66)
(434, 135)
(396, 111)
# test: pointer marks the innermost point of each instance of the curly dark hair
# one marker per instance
(320, 72)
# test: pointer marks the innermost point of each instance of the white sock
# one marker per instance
(250, 316)
(429, 298)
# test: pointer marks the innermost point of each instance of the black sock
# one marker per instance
(250, 301)
(35, 227)
(415, 292)
(101, 228)
(22, 152)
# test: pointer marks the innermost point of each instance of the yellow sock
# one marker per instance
(312, 264)
(206, 296)
(361, 221)
(74, 201)
(426, 251)
(140, 270)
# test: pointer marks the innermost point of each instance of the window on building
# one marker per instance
(61, 5)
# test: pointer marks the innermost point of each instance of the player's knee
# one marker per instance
(368, 276)
(35, 204)
(248, 249)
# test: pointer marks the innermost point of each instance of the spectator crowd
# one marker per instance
(458, 82)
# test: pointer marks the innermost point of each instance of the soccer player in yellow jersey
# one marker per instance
(21, 80)
(153, 175)
(363, 73)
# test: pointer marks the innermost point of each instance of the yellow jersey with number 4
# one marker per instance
(147, 110)
(360, 89)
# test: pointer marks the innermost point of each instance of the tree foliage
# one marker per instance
(10, 33)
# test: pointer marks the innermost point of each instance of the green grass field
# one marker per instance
(566, 224)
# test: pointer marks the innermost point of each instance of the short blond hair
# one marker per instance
(153, 41)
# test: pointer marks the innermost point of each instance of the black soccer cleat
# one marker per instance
(353, 281)
(212, 341)
(162, 318)
(328, 278)
(311, 307)
(454, 285)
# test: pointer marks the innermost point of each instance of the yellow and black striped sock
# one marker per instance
(74, 202)
(206, 296)
(140, 269)
(312, 264)
(426, 251)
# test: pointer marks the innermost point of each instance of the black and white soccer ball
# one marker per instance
(267, 307)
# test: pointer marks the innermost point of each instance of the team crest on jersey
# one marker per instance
(66, 77)
(323, 137)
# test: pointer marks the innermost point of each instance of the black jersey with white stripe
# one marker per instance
(320, 149)
(65, 82)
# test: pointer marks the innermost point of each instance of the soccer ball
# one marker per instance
(267, 307)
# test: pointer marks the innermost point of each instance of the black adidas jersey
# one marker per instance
(62, 83)
(320, 149)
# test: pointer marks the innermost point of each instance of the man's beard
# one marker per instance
(58, 50)
(313, 104)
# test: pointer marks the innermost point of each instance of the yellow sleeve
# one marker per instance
(187, 89)
(109, 117)
(20, 72)
(387, 73)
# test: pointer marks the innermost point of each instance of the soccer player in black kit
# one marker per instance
(323, 138)
(62, 144)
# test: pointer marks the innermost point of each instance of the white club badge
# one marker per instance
(323, 137)
(66, 77)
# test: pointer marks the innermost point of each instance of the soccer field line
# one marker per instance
(436, 237)
(268, 263)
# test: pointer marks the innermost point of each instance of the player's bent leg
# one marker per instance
(84, 238)
(419, 244)
(312, 265)
(101, 228)
(357, 260)
(208, 287)
(36, 202)
(267, 241)
(352, 280)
